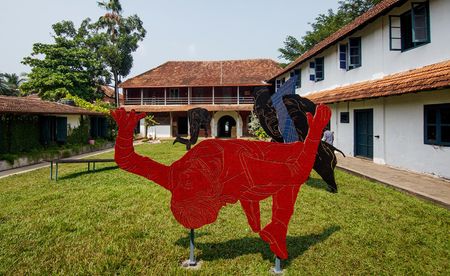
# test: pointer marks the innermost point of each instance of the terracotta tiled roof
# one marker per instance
(435, 76)
(109, 94)
(382, 8)
(34, 105)
(186, 107)
(250, 72)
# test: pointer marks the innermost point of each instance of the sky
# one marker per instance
(176, 29)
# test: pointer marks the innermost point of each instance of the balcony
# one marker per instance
(187, 100)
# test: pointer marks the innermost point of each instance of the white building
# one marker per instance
(386, 76)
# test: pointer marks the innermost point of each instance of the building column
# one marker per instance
(238, 95)
(238, 126)
(170, 123)
(189, 94)
(142, 96)
(213, 125)
(165, 96)
(213, 95)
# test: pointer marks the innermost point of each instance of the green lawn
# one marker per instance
(112, 222)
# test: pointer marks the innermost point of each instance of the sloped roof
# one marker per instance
(430, 77)
(35, 105)
(378, 10)
(252, 72)
(109, 91)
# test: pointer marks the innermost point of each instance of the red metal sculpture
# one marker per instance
(219, 172)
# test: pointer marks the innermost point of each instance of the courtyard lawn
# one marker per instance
(113, 222)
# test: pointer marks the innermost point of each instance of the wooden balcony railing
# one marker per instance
(186, 100)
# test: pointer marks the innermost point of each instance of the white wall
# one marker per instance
(399, 121)
(377, 58)
(161, 131)
(220, 114)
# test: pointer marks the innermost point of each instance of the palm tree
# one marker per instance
(9, 83)
(113, 16)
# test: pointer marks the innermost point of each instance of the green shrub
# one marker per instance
(19, 133)
(256, 129)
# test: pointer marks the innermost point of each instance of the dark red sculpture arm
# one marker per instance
(125, 156)
(312, 141)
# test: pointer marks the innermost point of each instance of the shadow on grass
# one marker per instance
(317, 183)
(234, 248)
(77, 174)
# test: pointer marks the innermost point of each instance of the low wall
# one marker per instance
(26, 161)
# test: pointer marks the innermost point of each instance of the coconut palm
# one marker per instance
(112, 18)
(4, 89)
(9, 84)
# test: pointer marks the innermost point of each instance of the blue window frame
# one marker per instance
(317, 69)
(320, 69)
(297, 72)
(410, 29)
(312, 71)
(343, 56)
(354, 45)
(350, 54)
(437, 124)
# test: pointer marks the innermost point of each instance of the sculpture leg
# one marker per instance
(252, 211)
(282, 209)
(192, 261)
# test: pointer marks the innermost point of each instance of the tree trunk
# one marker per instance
(116, 89)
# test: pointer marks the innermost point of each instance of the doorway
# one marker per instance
(182, 124)
(364, 133)
(225, 127)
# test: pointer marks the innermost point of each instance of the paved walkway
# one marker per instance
(422, 185)
(45, 164)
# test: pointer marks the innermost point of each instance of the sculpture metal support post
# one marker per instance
(192, 261)
(277, 269)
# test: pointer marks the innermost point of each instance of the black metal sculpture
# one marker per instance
(198, 118)
(297, 108)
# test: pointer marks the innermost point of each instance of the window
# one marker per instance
(278, 84)
(410, 29)
(350, 54)
(345, 117)
(174, 93)
(437, 124)
(317, 69)
(297, 72)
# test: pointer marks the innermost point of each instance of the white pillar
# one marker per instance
(238, 95)
(213, 126)
(170, 123)
(213, 95)
(165, 96)
(142, 96)
(189, 94)
(238, 126)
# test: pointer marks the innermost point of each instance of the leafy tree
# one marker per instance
(323, 26)
(69, 66)
(9, 84)
(149, 121)
(121, 36)
(255, 128)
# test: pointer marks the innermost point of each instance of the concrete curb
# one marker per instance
(392, 185)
